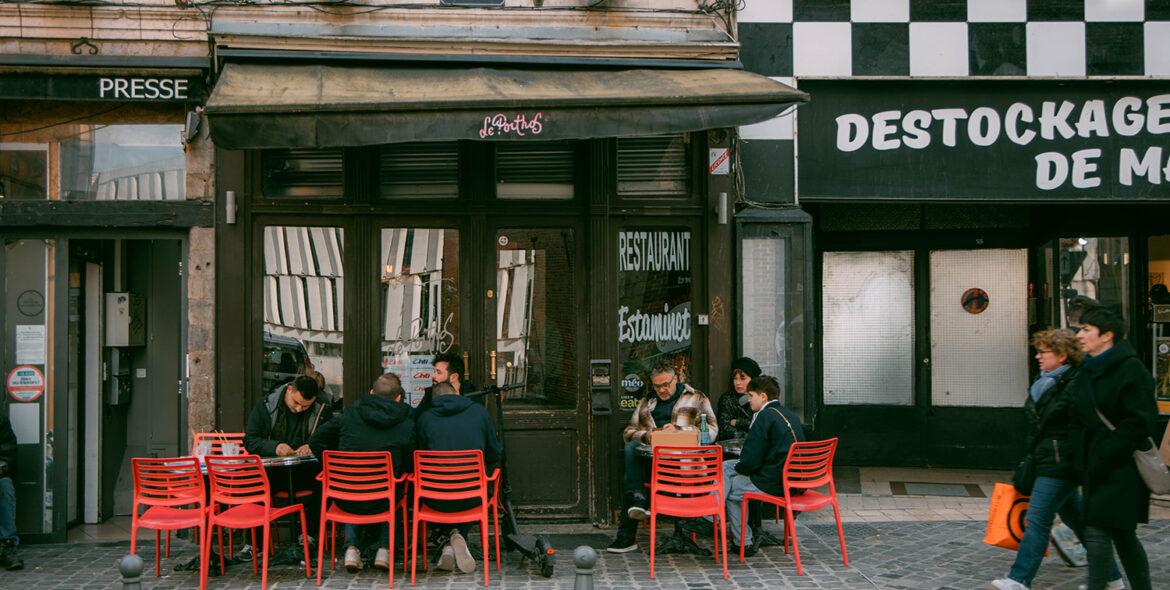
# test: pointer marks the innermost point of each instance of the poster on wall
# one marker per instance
(414, 371)
(996, 139)
(30, 345)
(654, 305)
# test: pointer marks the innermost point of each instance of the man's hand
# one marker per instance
(671, 427)
(283, 449)
(733, 421)
(304, 450)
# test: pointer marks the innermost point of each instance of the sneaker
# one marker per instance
(624, 543)
(1007, 584)
(1118, 584)
(749, 551)
(382, 559)
(353, 560)
(463, 559)
(8, 558)
(446, 559)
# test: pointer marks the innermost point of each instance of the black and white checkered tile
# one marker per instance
(792, 39)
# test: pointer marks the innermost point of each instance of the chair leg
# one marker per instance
(653, 530)
(204, 555)
(390, 549)
(168, 544)
(840, 532)
(424, 544)
(264, 536)
(485, 538)
(305, 542)
(157, 549)
(790, 523)
(321, 547)
(220, 538)
(496, 523)
(722, 520)
(264, 561)
(333, 546)
(414, 547)
(743, 514)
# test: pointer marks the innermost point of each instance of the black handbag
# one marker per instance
(1025, 476)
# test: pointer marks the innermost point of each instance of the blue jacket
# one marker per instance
(766, 448)
(455, 423)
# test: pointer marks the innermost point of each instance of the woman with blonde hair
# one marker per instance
(1053, 479)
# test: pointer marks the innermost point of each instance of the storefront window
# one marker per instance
(1097, 268)
(24, 171)
(537, 170)
(303, 306)
(420, 170)
(420, 303)
(302, 173)
(1159, 314)
(124, 163)
(654, 306)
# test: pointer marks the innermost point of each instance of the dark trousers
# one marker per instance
(1099, 545)
(304, 477)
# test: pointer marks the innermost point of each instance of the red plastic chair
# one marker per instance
(358, 477)
(454, 475)
(687, 482)
(809, 465)
(239, 487)
(172, 490)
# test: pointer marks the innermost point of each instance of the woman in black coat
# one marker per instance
(734, 414)
(1114, 383)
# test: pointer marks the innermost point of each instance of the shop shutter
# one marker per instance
(413, 170)
(536, 170)
(302, 173)
(653, 166)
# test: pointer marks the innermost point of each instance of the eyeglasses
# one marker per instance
(1041, 351)
(662, 386)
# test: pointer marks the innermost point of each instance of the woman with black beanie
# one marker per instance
(734, 413)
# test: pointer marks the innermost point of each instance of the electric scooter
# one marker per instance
(534, 547)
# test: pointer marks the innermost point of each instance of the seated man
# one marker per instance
(8, 558)
(456, 423)
(760, 467)
(281, 424)
(448, 368)
(376, 422)
(674, 406)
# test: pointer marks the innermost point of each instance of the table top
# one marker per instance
(731, 448)
(287, 460)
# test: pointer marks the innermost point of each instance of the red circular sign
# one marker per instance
(26, 383)
(974, 300)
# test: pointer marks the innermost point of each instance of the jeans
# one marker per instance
(1100, 543)
(734, 486)
(1050, 496)
(351, 536)
(7, 509)
(634, 477)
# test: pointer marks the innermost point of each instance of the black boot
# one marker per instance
(8, 558)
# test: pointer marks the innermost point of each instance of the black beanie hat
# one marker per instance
(748, 366)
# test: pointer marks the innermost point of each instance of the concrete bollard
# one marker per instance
(130, 567)
(584, 557)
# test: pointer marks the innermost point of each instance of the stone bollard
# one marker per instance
(584, 557)
(131, 568)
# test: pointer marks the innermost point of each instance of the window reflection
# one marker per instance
(1097, 268)
(24, 171)
(536, 331)
(420, 302)
(124, 163)
(303, 306)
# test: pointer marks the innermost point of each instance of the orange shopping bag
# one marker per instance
(1005, 520)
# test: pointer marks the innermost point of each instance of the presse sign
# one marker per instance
(998, 140)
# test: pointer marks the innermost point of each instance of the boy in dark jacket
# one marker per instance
(376, 422)
(760, 467)
(456, 423)
(8, 558)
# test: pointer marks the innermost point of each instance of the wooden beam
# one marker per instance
(122, 214)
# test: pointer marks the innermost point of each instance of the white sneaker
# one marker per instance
(638, 513)
(353, 560)
(446, 559)
(1118, 584)
(382, 559)
(463, 558)
(1007, 584)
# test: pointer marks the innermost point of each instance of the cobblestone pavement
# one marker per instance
(889, 555)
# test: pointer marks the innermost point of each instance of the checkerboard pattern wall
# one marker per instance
(791, 39)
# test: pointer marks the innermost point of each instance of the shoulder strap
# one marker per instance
(785, 418)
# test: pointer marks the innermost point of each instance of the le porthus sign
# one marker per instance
(985, 139)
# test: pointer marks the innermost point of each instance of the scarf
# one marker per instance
(1095, 365)
(1046, 381)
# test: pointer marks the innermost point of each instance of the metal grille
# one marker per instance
(653, 166)
(420, 170)
(302, 173)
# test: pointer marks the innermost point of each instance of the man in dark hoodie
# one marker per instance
(8, 558)
(456, 423)
(760, 467)
(376, 422)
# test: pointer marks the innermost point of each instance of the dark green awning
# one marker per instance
(260, 106)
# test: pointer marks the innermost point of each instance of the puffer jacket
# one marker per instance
(1050, 424)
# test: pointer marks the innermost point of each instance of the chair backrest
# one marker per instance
(220, 444)
(687, 471)
(449, 475)
(810, 464)
(357, 476)
(175, 481)
(238, 480)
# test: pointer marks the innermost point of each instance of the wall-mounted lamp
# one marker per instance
(721, 209)
(229, 207)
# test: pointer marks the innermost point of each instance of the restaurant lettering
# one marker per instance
(499, 125)
(671, 325)
(654, 251)
(1024, 124)
(142, 88)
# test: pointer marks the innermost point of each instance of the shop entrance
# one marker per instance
(925, 355)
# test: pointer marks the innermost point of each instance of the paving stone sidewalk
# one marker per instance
(935, 555)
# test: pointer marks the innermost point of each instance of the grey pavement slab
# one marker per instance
(934, 555)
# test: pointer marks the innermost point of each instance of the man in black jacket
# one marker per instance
(448, 368)
(376, 422)
(760, 467)
(456, 423)
(8, 558)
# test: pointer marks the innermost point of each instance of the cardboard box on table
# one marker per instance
(674, 438)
